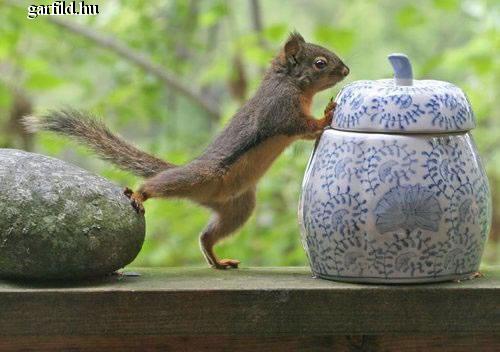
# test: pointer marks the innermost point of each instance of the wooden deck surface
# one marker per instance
(270, 309)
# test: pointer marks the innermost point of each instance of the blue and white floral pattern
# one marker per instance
(408, 207)
(394, 207)
(381, 105)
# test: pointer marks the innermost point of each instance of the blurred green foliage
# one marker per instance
(200, 42)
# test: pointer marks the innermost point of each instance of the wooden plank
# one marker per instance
(279, 302)
(454, 343)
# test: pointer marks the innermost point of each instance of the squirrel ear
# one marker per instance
(293, 45)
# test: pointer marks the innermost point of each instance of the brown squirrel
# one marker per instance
(224, 177)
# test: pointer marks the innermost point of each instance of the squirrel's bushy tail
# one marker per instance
(93, 133)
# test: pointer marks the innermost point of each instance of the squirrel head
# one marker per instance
(312, 67)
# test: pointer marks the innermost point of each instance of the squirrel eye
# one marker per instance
(320, 63)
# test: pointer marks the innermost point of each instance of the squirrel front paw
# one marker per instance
(136, 200)
(326, 121)
(328, 113)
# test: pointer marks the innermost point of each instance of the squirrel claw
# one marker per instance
(137, 205)
(128, 192)
(330, 108)
(135, 200)
(226, 263)
(328, 114)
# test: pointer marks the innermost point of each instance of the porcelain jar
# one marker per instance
(395, 191)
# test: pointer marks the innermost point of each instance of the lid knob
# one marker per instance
(403, 75)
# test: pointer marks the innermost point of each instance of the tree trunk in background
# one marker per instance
(17, 136)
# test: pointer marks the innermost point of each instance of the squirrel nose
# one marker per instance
(345, 71)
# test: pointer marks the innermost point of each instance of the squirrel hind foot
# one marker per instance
(136, 200)
(226, 264)
(137, 205)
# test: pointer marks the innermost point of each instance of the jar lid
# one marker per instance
(402, 104)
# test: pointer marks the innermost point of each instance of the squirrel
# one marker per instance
(224, 177)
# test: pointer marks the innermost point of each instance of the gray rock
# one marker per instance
(58, 221)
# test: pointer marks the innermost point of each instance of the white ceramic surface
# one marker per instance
(426, 106)
(394, 208)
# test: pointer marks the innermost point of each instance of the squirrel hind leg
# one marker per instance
(195, 182)
(229, 217)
